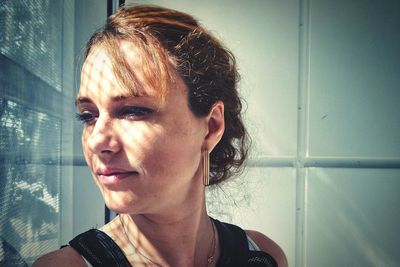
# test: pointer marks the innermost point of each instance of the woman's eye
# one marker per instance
(135, 112)
(86, 117)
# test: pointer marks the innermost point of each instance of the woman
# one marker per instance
(162, 120)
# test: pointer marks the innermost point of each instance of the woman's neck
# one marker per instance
(177, 239)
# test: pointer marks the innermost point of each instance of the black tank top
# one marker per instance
(101, 251)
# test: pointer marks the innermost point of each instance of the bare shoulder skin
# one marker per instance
(65, 257)
(269, 246)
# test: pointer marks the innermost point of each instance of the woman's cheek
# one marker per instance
(142, 142)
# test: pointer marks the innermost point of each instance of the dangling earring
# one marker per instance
(206, 167)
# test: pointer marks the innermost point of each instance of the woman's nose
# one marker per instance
(103, 139)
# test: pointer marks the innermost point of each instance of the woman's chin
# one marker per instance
(120, 204)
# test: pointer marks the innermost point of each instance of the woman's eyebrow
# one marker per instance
(119, 98)
(82, 99)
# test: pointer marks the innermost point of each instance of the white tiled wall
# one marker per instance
(352, 214)
(354, 79)
(352, 124)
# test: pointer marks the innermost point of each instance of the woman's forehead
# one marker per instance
(99, 71)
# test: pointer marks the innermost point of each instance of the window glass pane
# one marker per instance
(30, 175)
(31, 126)
(31, 33)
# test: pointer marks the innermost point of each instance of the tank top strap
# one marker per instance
(99, 249)
(235, 251)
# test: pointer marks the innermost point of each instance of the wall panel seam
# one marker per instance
(302, 123)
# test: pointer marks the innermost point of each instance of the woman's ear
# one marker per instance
(216, 126)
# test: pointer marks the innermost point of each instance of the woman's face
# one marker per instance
(144, 156)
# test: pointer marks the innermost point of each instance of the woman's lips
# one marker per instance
(112, 176)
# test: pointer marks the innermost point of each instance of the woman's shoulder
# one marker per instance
(68, 256)
(65, 257)
(269, 246)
